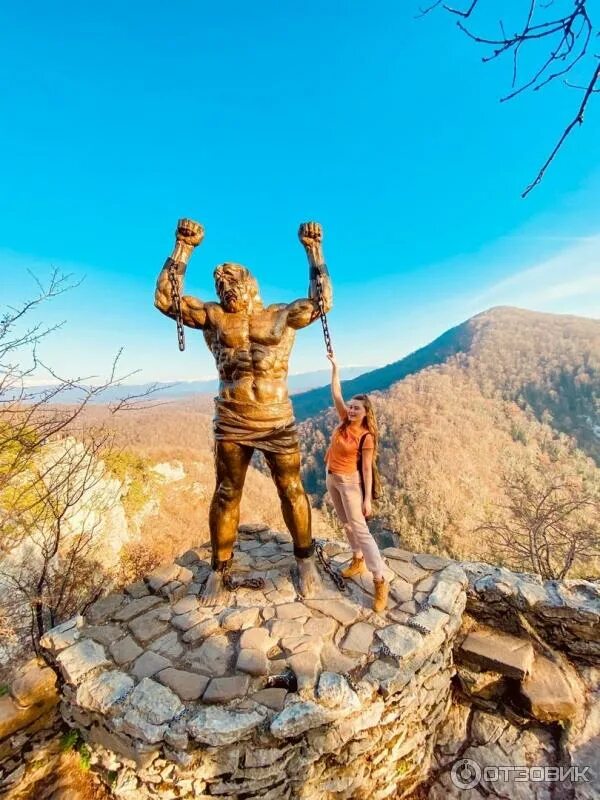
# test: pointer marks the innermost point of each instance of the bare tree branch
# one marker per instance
(577, 120)
(568, 37)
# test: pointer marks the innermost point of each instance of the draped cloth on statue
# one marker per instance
(265, 426)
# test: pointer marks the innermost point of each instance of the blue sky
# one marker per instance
(254, 117)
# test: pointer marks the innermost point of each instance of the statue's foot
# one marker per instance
(309, 578)
(214, 592)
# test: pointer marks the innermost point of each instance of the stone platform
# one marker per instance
(271, 696)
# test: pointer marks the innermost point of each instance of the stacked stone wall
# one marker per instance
(271, 696)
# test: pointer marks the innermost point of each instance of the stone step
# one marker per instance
(548, 694)
(488, 649)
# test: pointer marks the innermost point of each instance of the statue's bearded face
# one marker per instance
(232, 285)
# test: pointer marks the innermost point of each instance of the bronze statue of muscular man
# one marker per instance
(251, 345)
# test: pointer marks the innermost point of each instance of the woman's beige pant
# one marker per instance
(346, 495)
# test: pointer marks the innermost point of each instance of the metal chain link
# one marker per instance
(232, 583)
(335, 576)
(323, 315)
(176, 299)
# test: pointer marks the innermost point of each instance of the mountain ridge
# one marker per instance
(549, 363)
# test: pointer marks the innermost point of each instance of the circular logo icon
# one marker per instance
(465, 773)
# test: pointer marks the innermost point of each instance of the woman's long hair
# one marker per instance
(369, 423)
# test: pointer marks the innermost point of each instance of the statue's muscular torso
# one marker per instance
(251, 351)
(251, 343)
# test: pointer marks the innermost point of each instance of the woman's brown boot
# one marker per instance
(382, 589)
(356, 567)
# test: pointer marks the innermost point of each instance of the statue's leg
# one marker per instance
(231, 465)
(285, 469)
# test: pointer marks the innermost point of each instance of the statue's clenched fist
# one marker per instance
(310, 234)
(189, 232)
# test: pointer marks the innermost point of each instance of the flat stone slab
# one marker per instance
(79, 659)
(401, 641)
(105, 693)
(213, 657)
(222, 690)
(104, 634)
(409, 571)
(188, 619)
(397, 553)
(359, 637)
(149, 625)
(61, 636)
(125, 650)
(218, 726)
(202, 630)
(256, 639)
(306, 668)
(186, 685)
(186, 604)
(430, 620)
(272, 698)
(149, 664)
(345, 613)
(137, 589)
(298, 718)
(168, 645)
(431, 562)
(291, 611)
(548, 693)
(104, 608)
(154, 702)
(136, 607)
(239, 619)
(491, 649)
(281, 628)
(444, 595)
(334, 661)
(162, 575)
(252, 661)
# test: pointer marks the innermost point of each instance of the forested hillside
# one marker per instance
(515, 403)
(548, 364)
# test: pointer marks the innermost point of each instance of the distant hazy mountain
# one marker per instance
(183, 389)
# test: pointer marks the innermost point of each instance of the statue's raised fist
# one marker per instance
(310, 234)
(189, 232)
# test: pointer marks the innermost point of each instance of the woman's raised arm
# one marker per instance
(336, 389)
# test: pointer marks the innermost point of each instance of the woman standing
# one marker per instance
(350, 463)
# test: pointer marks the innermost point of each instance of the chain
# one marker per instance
(231, 583)
(321, 304)
(176, 298)
(335, 576)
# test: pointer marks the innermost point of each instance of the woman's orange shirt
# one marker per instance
(342, 456)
